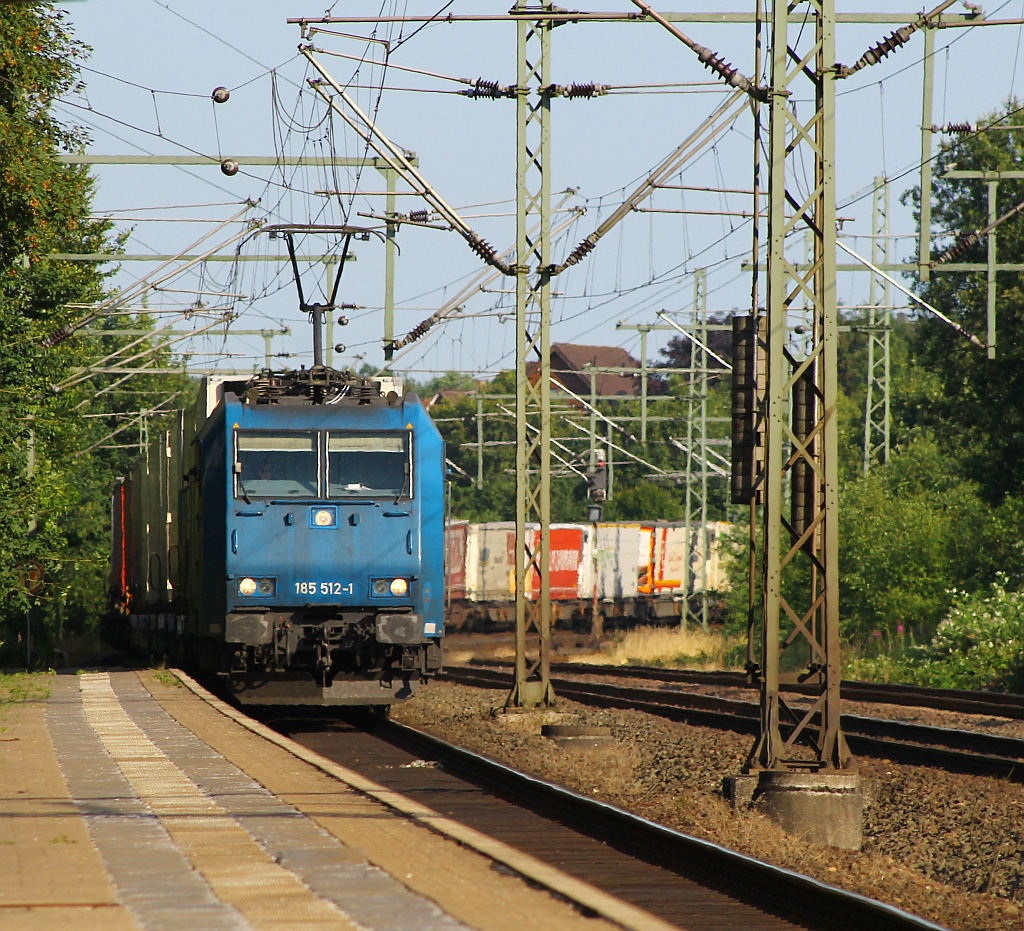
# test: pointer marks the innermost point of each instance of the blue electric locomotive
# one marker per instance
(300, 556)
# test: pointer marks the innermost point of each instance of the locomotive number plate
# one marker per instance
(324, 588)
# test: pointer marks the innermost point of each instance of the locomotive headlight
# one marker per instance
(265, 586)
(325, 517)
(382, 588)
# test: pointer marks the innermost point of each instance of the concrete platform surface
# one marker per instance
(137, 800)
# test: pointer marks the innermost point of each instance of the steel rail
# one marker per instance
(914, 744)
(966, 702)
(789, 894)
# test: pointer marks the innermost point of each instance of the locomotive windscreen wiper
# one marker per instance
(405, 484)
(241, 484)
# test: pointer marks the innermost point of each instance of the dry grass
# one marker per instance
(683, 648)
(467, 654)
(18, 687)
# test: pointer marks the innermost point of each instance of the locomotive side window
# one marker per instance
(274, 465)
(368, 465)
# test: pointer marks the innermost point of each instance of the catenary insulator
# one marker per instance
(483, 248)
(584, 90)
(958, 129)
(729, 74)
(489, 89)
(58, 336)
(229, 166)
(749, 361)
(877, 52)
(413, 335)
(580, 252)
(419, 216)
(220, 95)
(956, 251)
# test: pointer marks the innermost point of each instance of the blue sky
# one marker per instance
(154, 66)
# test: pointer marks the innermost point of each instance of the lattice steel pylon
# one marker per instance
(876, 402)
(800, 600)
(533, 383)
(696, 480)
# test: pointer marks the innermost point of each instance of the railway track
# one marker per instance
(951, 749)
(1001, 705)
(682, 880)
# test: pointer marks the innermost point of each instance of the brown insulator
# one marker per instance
(729, 74)
(749, 365)
(957, 251)
(483, 248)
(481, 88)
(958, 129)
(710, 60)
(581, 90)
(419, 216)
(877, 52)
(580, 252)
(58, 336)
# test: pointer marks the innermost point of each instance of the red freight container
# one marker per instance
(455, 534)
(565, 562)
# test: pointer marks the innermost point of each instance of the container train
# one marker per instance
(630, 572)
(286, 536)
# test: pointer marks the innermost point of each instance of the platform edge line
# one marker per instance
(575, 890)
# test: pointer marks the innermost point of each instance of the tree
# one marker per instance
(977, 412)
(908, 534)
(54, 477)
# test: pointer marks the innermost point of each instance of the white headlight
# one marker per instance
(399, 587)
(324, 518)
(247, 587)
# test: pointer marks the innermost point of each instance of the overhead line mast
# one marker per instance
(801, 447)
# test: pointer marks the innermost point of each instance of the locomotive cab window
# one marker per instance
(367, 466)
(276, 465)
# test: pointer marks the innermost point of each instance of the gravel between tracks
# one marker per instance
(944, 846)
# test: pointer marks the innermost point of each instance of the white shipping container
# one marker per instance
(490, 561)
(618, 560)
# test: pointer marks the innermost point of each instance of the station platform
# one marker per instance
(138, 800)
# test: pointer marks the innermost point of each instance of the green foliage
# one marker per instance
(638, 502)
(979, 645)
(977, 411)
(907, 536)
(55, 472)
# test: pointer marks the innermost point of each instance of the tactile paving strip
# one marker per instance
(152, 877)
(369, 895)
(239, 872)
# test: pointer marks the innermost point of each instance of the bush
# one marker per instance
(979, 645)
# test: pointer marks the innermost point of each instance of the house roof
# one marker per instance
(569, 363)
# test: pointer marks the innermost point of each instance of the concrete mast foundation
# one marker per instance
(821, 808)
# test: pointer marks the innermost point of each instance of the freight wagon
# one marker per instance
(626, 572)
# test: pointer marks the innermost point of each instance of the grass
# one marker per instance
(680, 648)
(19, 687)
(167, 678)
